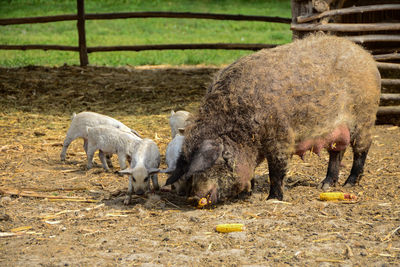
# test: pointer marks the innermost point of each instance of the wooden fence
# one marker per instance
(303, 21)
(83, 50)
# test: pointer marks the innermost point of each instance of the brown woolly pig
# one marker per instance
(319, 92)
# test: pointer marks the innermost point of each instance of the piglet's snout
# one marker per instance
(139, 192)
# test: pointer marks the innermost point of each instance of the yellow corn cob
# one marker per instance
(203, 202)
(230, 227)
(329, 196)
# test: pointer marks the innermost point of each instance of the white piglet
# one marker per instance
(81, 121)
(145, 161)
(109, 140)
(172, 154)
(178, 120)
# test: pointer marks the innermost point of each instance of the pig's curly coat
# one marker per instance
(272, 100)
(290, 93)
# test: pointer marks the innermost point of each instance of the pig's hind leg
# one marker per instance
(360, 145)
(108, 160)
(332, 175)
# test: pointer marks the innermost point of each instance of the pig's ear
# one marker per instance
(180, 169)
(209, 152)
(126, 171)
(153, 170)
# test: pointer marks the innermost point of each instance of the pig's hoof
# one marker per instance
(166, 188)
(348, 185)
(324, 186)
(127, 201)
(119, 174)
(275, 196)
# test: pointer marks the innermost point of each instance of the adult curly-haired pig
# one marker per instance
(318, 92)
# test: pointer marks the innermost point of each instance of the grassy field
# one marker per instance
(139, 31)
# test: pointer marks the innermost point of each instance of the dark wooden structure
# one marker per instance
(375, 24)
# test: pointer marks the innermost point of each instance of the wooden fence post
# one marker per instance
(83, 56)
(299, 8)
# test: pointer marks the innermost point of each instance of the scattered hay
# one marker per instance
(163, 226)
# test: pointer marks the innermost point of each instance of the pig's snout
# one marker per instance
(139, 192)
(211, 196)
(181, 193)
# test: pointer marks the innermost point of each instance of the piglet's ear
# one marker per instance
(206, 156)
(153, 170)
(126, 171)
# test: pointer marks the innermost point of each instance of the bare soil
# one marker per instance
(40, 226)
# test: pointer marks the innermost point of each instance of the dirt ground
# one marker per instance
(60, 214)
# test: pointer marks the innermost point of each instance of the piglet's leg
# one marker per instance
(128, 196)
(154, 179)
(85, 145)
(90, 154)
(103, 160)
(122, 161)
(108, 159)
(277, 165)
(66, 143)
(332, 175)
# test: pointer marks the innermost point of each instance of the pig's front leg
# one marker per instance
(103, 161)
(277, 165)
(122, 161)
(90, 155)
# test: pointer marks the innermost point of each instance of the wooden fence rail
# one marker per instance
(127, 15)
(83, 50)
(225, 46)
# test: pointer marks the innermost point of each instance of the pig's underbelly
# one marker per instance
(337, 140)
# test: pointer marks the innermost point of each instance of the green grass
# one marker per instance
(139, 31)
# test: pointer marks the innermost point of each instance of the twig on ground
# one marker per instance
(17, 192)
